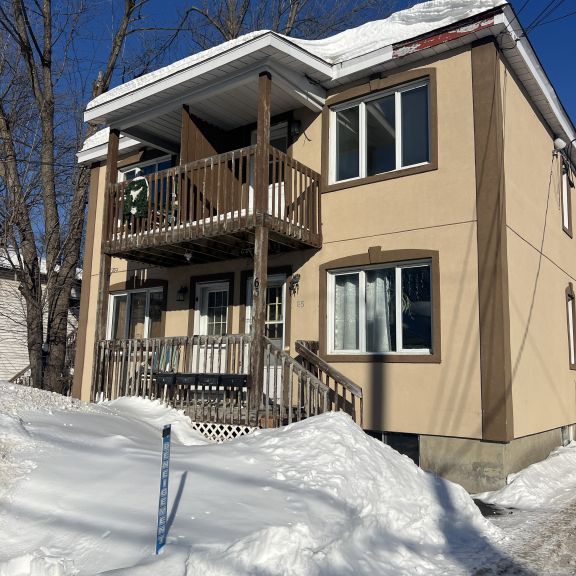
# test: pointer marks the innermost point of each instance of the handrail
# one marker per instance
(303, 348)
(296, 367)
(314, 362)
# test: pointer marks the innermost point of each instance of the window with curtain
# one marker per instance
(381, 309)
(136, 314)
(384, 132)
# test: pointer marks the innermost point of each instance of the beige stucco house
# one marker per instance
(381, 223)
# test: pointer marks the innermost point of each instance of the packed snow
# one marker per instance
(402, 25)
(79, 492)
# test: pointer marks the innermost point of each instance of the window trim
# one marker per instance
(136, 165)
(119, 293)
(565, 197)
(370, 89)
(397, 92)
(375, 258)
(571, 325)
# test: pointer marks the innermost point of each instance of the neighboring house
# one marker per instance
(14, 359)
(13, 334)
(396, 193)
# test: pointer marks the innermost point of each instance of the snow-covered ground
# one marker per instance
(79, 491)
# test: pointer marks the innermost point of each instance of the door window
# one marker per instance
(213, 299)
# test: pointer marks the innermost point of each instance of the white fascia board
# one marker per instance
(362, 62)
(196, 70)
(525, 50)
(100, 152)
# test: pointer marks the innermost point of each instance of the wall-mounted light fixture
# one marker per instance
(294, 284)
(295, 129)
(181, 294)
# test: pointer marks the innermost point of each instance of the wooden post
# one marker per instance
(185, 145)
(105, 259)
(263, 142)
(260, 284)
(259, 290)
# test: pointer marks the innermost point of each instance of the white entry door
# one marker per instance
(212, 320)
(274, 330)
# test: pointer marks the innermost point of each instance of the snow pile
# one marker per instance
(403, 25)
(15, 400)
(155, 414)
(316, 498)
(544, 484)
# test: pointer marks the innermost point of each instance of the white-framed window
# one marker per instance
(135, 314)
(566, 199)
(383, 132)
(381, 309)
(144, 168)
(275, 308)
(571, 319)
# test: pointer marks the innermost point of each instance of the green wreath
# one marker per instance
(136, 198)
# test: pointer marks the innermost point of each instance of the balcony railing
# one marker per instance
(217, 196)
(209, 377)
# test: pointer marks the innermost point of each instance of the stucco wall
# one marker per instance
(541, 263)
(435, 210)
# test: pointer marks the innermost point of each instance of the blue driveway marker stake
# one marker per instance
(162, 529)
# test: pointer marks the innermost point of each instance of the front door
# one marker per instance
(212, 321)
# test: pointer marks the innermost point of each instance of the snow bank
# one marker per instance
(15, 400)
(157, 415)
(318, 498)
(544, 484)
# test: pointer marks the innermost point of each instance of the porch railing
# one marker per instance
(208, 377)
(218, 195)
(344, 394)
(130, 367)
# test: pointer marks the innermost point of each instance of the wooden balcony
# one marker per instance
(209, 378)
(207, 210)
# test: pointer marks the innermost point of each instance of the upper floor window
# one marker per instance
(381, 309)
(145, 168)
(136, 314)
(386, 131)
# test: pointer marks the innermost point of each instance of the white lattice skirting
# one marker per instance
(221, 432)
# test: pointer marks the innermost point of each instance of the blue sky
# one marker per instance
(553, 44)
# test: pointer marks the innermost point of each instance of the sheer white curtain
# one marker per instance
(346, 305)
(379, 310)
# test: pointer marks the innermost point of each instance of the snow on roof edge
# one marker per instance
(352, 43)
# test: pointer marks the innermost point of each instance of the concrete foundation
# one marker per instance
(481, 466)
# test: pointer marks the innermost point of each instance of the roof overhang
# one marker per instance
(222, 87)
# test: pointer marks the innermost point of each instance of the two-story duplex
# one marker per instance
(388, 206)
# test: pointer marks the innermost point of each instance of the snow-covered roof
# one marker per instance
(333, 50)
(214, 82)
(9, 261)
(402, 25)
(95, 147)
